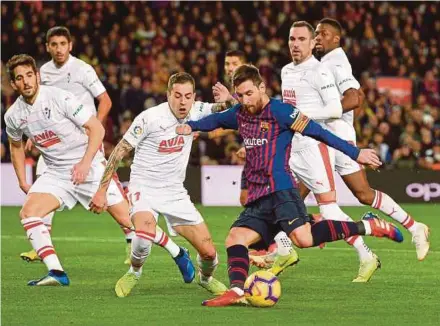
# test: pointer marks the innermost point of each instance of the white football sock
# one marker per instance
(47, 220)
(39, 237)
(388, 206)
(140, 249)
(164, 241)
(333, 212)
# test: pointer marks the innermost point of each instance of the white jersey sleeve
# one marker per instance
(325, 84)
(137, 131)
(344, 79)
(91, 81)
(201, 110)
(12, 131)
(73, 109)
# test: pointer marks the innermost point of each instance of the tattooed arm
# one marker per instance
(218, 107)
(99, 201)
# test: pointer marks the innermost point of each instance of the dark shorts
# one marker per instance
(283, 210)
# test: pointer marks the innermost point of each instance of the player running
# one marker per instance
(73, 75)
(57, 124)
(267, 127)
(156, 182)
(310, 86)
(328, 37)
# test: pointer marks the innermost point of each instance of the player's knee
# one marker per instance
(303, 242)
(302, 237)
(25, 212)
(365, 197)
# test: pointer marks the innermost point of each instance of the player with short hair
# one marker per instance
(74, 75)
(156, 182)
(328, 47)
(68, 136)
(310, 86)
(267, 127)
(282, 244)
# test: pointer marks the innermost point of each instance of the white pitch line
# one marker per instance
(121, 240)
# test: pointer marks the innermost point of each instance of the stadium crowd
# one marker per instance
(135, 46)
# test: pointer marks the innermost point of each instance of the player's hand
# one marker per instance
(25, 187)
(220, 93)
(369, 157)
(184, 130)
(99, 202)
(241, 153)
(29, 145)
(79, 172)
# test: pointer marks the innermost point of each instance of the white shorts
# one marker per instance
(344, 165)
(177, 209)
(68, 194)
(314, 167)
(41, 166)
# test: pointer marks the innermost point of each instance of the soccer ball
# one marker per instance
(262, 289)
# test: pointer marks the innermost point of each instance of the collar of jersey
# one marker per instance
(30, 106)
(69, 60)
(332, 53)
(309, 61)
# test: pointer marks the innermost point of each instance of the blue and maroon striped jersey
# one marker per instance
(267, 138)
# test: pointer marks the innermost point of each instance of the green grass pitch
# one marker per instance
(318, 291)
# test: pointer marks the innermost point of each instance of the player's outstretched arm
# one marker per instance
(96, 133)
(99, 201)
(226, 119)
(18, 159)
(312, 129)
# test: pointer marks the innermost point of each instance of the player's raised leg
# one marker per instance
(314, 167)
(207, 259)
(36, 206)
(358, 184)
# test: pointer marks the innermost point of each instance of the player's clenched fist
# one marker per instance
(99, 202)
(369, 157)
(184, 129)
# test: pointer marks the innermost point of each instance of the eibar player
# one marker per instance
(267, 127)
(73, 75)
(68, 136)
(328, 37)
(156, 182)
(310, 86)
